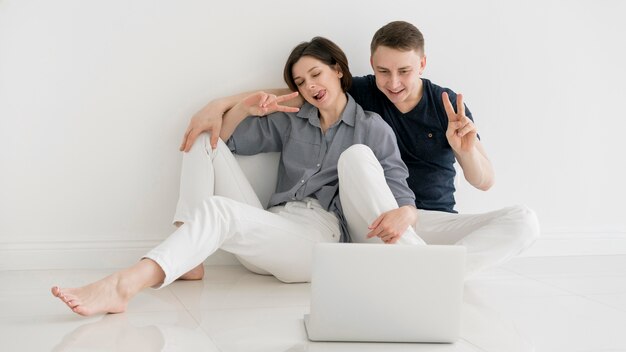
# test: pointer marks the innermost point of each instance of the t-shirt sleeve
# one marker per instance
(362, 90)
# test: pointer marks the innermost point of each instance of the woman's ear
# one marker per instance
(338, 70)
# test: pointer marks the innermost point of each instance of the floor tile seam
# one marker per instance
(571, 293)
(207, 333)
(480, 349)
(198, 323)
(567, 275)
(179, 300)
(190, 310)
(578, 293)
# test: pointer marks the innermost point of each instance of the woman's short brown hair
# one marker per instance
(399, 35)
(323, 50)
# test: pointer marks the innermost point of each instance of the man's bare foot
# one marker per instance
(104, 296)
(196, 273)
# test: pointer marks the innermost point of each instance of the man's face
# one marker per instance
(397, 73)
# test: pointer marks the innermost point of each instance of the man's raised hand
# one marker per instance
(461, 132)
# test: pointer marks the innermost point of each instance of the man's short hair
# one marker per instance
(399, 35)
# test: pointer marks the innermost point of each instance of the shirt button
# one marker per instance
(301, 181)
(430, 135)
(318, 165)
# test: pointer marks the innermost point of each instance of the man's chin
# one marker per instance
(395, 98)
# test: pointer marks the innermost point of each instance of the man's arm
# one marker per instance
(462, 137)
(209, 118)
(477, 168)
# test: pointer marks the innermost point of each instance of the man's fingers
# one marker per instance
(466, 129)
(448, 106)
(460, 107)
(455, 125)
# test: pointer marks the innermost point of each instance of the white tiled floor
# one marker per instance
(551, 304)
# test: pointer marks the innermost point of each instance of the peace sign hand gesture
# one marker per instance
(461, 133)
(261, 103)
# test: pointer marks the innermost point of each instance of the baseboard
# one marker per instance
(122, 253)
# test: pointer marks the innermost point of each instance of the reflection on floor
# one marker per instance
(552, 304)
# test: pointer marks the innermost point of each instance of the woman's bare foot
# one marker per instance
(196, 273)
(111, 294)
(104, 296)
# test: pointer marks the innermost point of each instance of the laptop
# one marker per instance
(386, 293)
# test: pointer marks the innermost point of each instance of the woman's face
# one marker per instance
(318, 83)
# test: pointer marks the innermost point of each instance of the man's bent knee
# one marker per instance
(527, 223)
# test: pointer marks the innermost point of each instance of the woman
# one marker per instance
(330, 142)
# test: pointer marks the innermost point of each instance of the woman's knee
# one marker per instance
(354, 156)
(203, 143)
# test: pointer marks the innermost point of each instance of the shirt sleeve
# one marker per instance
(257, 134)
(382, 141)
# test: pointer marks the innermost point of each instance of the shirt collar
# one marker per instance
(310, 112)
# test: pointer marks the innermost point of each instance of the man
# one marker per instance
(431, 135)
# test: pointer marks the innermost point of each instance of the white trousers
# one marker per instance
(219, 209)
(490, 238)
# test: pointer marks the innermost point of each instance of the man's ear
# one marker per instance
(422, 64)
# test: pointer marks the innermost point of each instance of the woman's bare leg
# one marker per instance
(111, 294)
(196, 273)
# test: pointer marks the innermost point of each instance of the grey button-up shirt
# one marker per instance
(308, 162)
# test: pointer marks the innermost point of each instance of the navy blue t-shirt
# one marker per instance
(421, 135)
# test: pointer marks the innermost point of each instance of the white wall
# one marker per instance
(95, 97)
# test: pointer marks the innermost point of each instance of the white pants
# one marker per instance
(219, 209)
(490, 238)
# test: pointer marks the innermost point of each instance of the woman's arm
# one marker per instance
(209, 118)
(256, 104)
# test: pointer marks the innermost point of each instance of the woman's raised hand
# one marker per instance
(262, 103)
